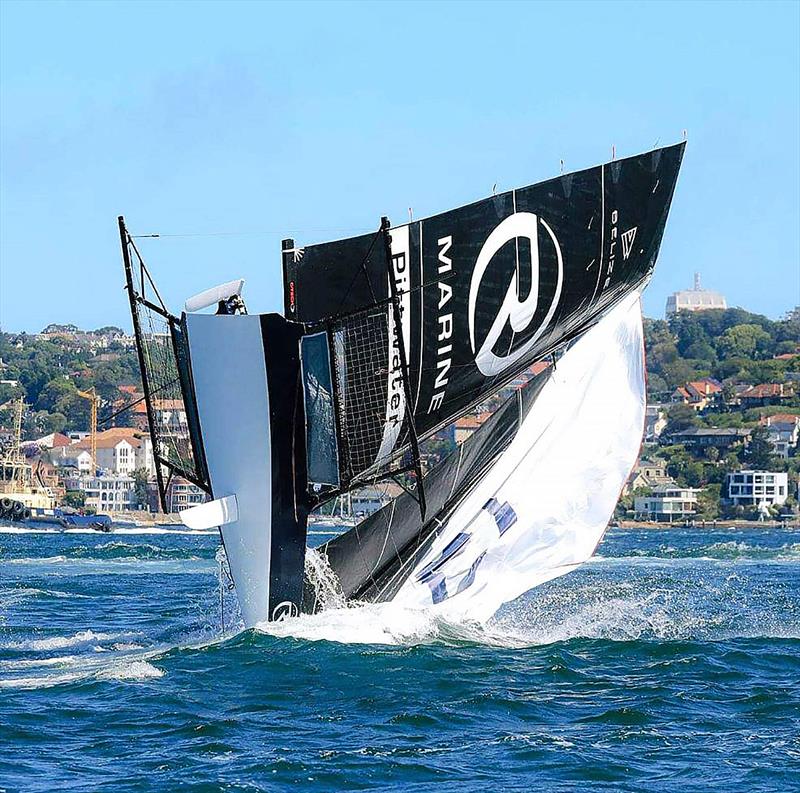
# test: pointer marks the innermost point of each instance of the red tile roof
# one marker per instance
(109, 438)
(780, 418)
(763, 391)
(539, 367)
(705, 387)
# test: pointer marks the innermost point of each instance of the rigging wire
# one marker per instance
(281, 232)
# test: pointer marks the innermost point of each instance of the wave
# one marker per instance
(563, 613)
(124, 550)
(118, 551)
(136, 670)
(12, 596)
(60, 642)
(120, 661)
(129, 530)
(730, 550)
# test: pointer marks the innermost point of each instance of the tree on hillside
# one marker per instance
(677, 373)
(689, 331)
(686, 471)
(708, 502)
(758, 455)
(680, 417)
(61, 396)
(656, 385)
(789, 326)
(745, 341)
(656, 331)
(40, 422)
(140, 487)
(703, 351)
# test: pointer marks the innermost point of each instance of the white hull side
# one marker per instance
(230, 381)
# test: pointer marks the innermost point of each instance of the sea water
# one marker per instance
(671, 661)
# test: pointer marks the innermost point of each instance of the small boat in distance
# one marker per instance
(66, 518)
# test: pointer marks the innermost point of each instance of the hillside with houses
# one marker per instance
(721, 436)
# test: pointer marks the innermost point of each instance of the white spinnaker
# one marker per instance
(554, 489)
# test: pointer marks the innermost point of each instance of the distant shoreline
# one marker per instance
(707, 524)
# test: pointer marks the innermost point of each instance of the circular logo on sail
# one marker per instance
(518, 313)
(284, 611)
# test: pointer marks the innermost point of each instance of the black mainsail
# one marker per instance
(484, 291)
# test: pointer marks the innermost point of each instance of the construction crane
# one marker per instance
(16, 449)
(92, 396)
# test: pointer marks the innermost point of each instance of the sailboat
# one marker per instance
(385, 339)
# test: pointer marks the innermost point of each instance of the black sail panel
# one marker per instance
(521, 273)
(334, 278)
(369, 560)
(485, 290)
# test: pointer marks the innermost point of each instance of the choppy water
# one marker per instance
(671, 661)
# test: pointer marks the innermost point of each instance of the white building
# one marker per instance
(667, 503)
(73, 457)
(753, 488)
(109, 493)
(120, 450)
(783, 431)
(182, 494)
(655, 420)
(697, 299)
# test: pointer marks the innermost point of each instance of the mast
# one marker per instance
(124, 238)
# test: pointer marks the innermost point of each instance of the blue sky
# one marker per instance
(313, 120)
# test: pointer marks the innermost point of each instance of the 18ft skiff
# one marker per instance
(385, 339)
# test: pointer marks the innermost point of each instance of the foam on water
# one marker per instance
(131, 530)
(613, 612)
(59, 642)
(133, 670)
(130, 670)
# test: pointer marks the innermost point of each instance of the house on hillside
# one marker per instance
(54, 440)
(170, 416)
(182, 494)
(698, 394)
(765, 394)
(648, 475)
(699, 438)
(668, 502)
(75, 458)
(753, 488)
(109, 492)
(467, 425)
(120, 450)
(655, 420)
(783, 430)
